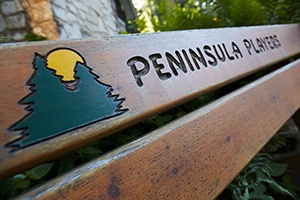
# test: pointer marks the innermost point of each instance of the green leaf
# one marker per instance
(259, 188)
(22, 176)
(33, 37)
(246, 194)
(277, 169)
(274, 169)
(20, 183)
(66, 165)
(276, 186)
(258, 192)
(6, 187)
(90, 150)
(39, 171)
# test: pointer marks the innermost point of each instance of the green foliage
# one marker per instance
(32, 37)
(281, 11)
(2, 38)
(170, 16)
(39, 171)
(22, 182)
(28, 37)
(40, 174)
(239, 12)
(166, 15)
(257, 181)
(264, 179)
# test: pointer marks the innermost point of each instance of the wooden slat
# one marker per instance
(194, 157)
(109, 58)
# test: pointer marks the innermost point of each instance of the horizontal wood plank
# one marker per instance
(193, 157)
(150, 73)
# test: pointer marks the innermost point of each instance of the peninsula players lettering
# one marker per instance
(196, 58)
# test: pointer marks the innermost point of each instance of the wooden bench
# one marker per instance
(57, 96)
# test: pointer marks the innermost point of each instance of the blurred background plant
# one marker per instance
(262, 178)
(168, 15)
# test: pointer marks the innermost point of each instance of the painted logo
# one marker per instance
(65, 95)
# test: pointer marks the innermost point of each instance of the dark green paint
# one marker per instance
(54, 110)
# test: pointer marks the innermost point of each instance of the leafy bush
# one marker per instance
(264, 179)
(166, 15)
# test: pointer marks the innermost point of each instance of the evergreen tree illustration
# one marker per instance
(54, 110)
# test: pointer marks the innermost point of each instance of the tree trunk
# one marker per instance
(40, 18)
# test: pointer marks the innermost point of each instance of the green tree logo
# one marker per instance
(60, 102)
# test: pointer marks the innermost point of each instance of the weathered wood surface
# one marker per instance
(245, 50)
(191, 158)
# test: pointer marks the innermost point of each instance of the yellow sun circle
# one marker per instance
(63, 61)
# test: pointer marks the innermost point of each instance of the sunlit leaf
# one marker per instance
(39, 171)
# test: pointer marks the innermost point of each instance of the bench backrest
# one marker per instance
(57, 96)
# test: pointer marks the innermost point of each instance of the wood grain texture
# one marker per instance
(108, 58)
(193, 157)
